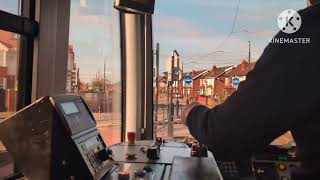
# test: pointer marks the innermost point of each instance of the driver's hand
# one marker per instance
(187, 110)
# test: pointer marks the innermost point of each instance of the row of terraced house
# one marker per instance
(8, 70)
(210, 86)
(9, 60)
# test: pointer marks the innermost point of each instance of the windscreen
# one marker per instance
(94, 63)
(218, 43)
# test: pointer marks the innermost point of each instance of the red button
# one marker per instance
(123, 175)
(194, 153)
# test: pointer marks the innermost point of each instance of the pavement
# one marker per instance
(109, 126)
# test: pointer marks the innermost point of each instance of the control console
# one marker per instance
(275, 162)
(174, 161)
(56, 138)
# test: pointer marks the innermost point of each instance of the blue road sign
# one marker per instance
(235, 81)
(188, 79)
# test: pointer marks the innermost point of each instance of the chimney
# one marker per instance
(214, 69)
(244, 65)
(193, 73)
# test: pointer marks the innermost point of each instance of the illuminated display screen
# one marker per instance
(69, 108)
(89, 143)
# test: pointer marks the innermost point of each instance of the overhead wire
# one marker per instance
(228, 36)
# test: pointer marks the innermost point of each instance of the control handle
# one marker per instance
(104, 154)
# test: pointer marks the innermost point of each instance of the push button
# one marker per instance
(148, 168)
(282, 167)
(104, 155)
(123, 175)
(140, 173)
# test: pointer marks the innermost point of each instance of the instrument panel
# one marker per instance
(70, 147)
(74, 111)
(272, 163)
(175, 162)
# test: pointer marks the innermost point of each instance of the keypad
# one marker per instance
(228, 168)
(90, 155)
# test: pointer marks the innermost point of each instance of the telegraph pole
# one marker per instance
(157, 80)
(171, 105)
(172, 77)
(249, 55)
(177, 88)
(104, 76)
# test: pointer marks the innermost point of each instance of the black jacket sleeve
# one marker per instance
(273, 100)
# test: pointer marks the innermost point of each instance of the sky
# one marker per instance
(198, 28)
(94, 33)
(10, 6)
(195, 28)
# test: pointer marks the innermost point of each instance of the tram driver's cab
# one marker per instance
(79, 135)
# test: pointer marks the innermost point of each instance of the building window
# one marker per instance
(2, 83)
(2, 58)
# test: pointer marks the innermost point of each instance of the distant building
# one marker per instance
(211, 86)
(195, 85)
(73, 82)
(217, 84)
(240, 72)
(212, 83)
(162, 84)
(8, 70)
(179, 87)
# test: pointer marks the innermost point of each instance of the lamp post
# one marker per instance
(249, 57)
(249, 43)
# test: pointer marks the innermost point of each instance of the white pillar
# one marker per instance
(134, 73)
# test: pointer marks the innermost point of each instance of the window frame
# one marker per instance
(26, 26)
(140, 43)
(26, 56)
(2, 83)
(123, 75)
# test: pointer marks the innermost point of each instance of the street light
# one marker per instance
(249, 43)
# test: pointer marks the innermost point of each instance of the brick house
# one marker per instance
(196, 78)
(73, 82)
(239, 72)
(8, 70)
(211, 83)
(216, 85)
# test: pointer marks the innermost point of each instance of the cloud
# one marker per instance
(193, 41)
(198, 50)
(216, 4)
(265, 33)
(195, 44)
(253, 17)
(177, 27)
(92, 20)
(92, 7)
(95, 39)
